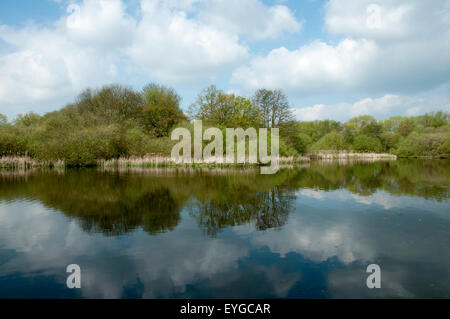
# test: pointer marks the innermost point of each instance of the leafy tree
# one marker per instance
(243, 114)
(27, 120)
(161, 111)
(417, 144)
(301, 142)
(111, 104)
(406, 126)
(3, 119)
(274, 107)
(318, 129)
(210, 106)
(331, 141)
(389, 140)
(360, 125)
(226, 110)
(365, 143)
(435, 120)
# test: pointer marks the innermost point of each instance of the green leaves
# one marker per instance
(365, 143)
(225, 110)
(161, 111)
(332, 141)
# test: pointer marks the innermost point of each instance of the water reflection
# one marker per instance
(116, 204)
(306, 232)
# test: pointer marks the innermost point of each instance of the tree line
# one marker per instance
(117, 121)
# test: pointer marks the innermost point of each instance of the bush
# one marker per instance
(162, 110)
(301, 142)
(11, 142)
(417, 144)
(389, 140)
(364, 143)
(331, 141)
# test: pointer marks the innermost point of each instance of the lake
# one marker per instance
(306, 232)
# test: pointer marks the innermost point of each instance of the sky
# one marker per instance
(335, 59)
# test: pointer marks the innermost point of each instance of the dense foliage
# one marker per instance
(117, 121)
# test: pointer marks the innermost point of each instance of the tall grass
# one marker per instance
(25, 162)
(350, 155)
(161, 161)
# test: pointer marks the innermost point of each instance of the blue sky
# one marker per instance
(334, 59)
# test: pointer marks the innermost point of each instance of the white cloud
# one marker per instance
(103, 23)
(387, 20)
(98, 42)
(177, 49)
(250, 17)
(311, 68)
(46, 67)
(406, 50)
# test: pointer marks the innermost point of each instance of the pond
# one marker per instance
(306, 232)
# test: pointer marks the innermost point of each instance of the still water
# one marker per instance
(307, 232)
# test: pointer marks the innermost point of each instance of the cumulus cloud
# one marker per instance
(177, 49)
(251, 17)
(98, 42)
(387, 47)
(386, 20)
(310, 69)
(99, 23)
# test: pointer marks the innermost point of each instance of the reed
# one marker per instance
(161, 161)
(26, 162)
(350, 155)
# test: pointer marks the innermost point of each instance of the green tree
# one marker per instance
(389, 140)
(360, 125)
(364, 143)
(317, 129)
(331, 141)
(161, 111)
(435, 120)
(244, 114)
(111, 104)
(226, 110)
(274, 107)
(3, 119)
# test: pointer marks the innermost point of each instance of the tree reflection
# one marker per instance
(266, 209)
(116, 204)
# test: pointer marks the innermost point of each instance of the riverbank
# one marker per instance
(26, 162)
(158, 161)
(349, 155)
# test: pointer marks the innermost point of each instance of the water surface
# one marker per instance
(307, 232)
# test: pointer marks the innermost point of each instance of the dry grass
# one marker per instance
(160, 161)
(25, 163)
(350, 155)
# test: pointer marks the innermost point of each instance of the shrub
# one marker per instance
(417, 144)
(162, 110)
(364, 143)
(331, 141)
(389, 140)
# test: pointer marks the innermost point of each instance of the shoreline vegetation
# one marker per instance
(156, 161)
(116, 126)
